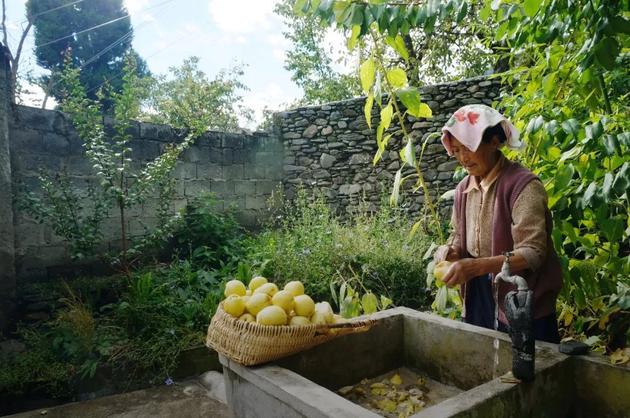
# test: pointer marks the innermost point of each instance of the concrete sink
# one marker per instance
(452, 353)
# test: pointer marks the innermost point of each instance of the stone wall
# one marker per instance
(330, 147)
(240, 169)
(327, 147)
(7, 245)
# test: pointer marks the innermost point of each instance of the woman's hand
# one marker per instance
(461, 271)
(446, 252)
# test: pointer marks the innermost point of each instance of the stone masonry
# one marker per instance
(331, 147)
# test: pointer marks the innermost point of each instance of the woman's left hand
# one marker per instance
(461, 271)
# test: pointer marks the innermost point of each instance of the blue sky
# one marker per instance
(221, 32)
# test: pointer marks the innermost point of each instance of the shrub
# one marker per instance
(311, 244)
(208, 236)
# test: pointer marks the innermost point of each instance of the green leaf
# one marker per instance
(621, 184)
(571, 126)
(367, 109)
(398, 44)
(407, 154)
(441, 298)
(386, 116)
(367, 73)
(594, 130)
(549, 84)
(535, 124)
(354, 37)
(462, 12)
(531, 7)
(612, 228)
(563, 178)
(620, 25)
(410, 98)
(611, 145)
(385, 302)
(590, 195)
(298, 6)
(397, 77)
(607, 187)
(395, 195)
(369, 302)
(606, 52)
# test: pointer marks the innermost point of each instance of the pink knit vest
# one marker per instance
(547, 281)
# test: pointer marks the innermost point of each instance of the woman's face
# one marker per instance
(478, 163)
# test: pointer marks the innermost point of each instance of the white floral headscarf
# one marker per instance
(469, 122)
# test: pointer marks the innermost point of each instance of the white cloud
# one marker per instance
(272, 97)
(33, 95)
(242, 16)
(134, 6)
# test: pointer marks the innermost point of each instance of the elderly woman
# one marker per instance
(499, 206)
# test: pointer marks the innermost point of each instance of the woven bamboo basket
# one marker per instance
(249, 343)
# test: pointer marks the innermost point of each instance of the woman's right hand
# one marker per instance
(446, 252)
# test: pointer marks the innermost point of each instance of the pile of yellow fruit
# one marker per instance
(265, 304)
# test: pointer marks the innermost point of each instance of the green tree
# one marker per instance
(310, 62)
(190, 95)
(96, 34)
(449, 46)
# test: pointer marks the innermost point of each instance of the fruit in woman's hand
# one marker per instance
(247, 317)
(234, 305)
(257, 302)
(295, 287)
(268, 288)
(256, 282)
(439, 271)
(272, 315)
(304, 305)
(234, 287)
(299, 320)
(284, 300)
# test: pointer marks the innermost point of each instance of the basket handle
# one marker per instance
(346, 327)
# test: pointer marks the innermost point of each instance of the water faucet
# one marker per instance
(519, 311)
(507, 277)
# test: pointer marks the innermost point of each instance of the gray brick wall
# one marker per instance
(241, 169)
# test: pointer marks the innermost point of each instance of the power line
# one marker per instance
(52, 10)
(118, 74)
(99, 26)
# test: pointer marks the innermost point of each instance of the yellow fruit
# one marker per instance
(256, 282)
(284, 300)
(439, 271)
(338, 319)
(325, 309)
(304, 305)
(268, 288)
(234, 287)
(272, 315)
(247, 317)
(257, 302)
(295, 287)
(318, 318)
(245, 299)
(234, 305)
(248, 292)
(299, 320)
